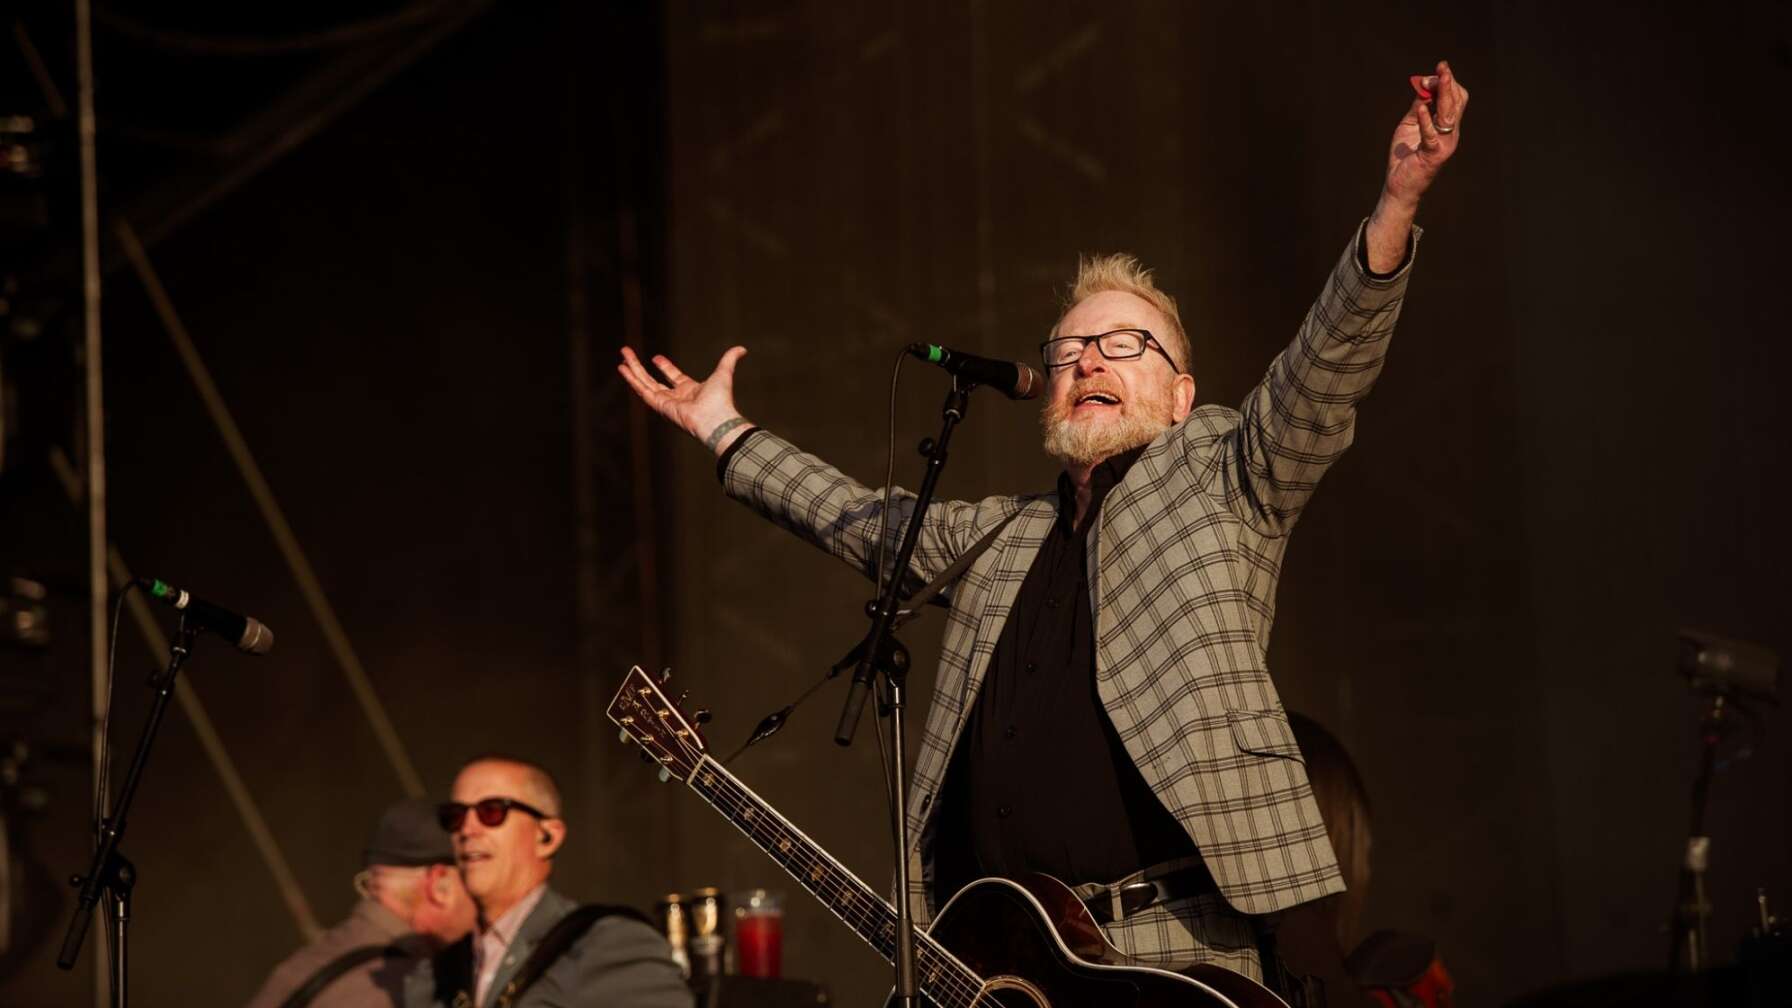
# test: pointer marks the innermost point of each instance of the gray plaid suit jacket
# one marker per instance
(1186, 552)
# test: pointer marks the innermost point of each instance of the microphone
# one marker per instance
(1012, 378)
(247, 634)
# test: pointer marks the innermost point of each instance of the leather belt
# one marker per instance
(1134, 897)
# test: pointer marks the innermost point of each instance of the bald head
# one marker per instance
(532, 780)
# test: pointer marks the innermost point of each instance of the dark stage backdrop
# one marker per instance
(391, 312)
(1573, 451)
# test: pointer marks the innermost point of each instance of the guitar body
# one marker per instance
(1036, 946)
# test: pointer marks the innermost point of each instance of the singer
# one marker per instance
(1103, 710)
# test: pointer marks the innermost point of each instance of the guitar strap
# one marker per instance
(914, 602)
(1299, 991)
(554, 944)
(333, 970)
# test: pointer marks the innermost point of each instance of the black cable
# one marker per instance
(105, 757)
(883, 517)
(775, 721)
(883, 529)
(771, 724)
(105, 761)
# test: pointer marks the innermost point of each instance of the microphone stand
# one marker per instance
(110, 870)
(1692, 910)
(881, 652)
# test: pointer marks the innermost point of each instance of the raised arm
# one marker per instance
(800, 492)
(1301, 416)
(1421, 144)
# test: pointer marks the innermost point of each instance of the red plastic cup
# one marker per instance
(759, 934)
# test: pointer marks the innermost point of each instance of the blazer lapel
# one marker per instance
(989, 592)
(1145, 477)
(1019, 547)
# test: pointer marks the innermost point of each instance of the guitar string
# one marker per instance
(859, 910)
(952, 979)
(956, 980)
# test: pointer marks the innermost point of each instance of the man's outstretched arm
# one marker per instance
(801, 492)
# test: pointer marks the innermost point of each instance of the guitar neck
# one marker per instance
(940, 976)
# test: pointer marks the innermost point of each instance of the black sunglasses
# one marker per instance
(491, 812)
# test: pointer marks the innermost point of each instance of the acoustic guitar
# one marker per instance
(999, 943)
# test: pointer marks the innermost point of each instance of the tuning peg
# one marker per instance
(647, 757)
(702, 716)
(665, 675)
(682, 697)
(665, 774)
(623, 737)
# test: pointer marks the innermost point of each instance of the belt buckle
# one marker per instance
(1137, 896)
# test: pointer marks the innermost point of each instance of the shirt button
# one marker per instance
(1051, 603)
(1003, 812)
(1009, 732)
(1032, 667)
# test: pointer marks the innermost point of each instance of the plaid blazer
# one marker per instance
(1186, 552)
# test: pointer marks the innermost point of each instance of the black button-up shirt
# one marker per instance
(1039, 781)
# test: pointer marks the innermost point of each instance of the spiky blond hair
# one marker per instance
(1118, 271)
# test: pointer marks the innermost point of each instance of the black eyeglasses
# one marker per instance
(1121, 344)
(491, 812)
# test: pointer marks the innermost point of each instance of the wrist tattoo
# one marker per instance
(715, 436)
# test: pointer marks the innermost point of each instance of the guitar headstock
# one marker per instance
(666, 735)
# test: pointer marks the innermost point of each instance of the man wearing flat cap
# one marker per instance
(413, 903)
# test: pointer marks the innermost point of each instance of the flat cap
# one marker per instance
(408, 835)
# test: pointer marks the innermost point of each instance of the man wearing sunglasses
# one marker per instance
(1103, 712)
(534, 946)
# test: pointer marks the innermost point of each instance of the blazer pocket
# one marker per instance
(1264, 733)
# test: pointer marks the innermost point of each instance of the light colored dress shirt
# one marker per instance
(489, 946)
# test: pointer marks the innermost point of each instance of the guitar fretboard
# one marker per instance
(940, 976)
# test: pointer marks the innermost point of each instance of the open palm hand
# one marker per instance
(697, 406)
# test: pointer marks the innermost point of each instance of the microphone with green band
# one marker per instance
(1011, 378)
(247, 634)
